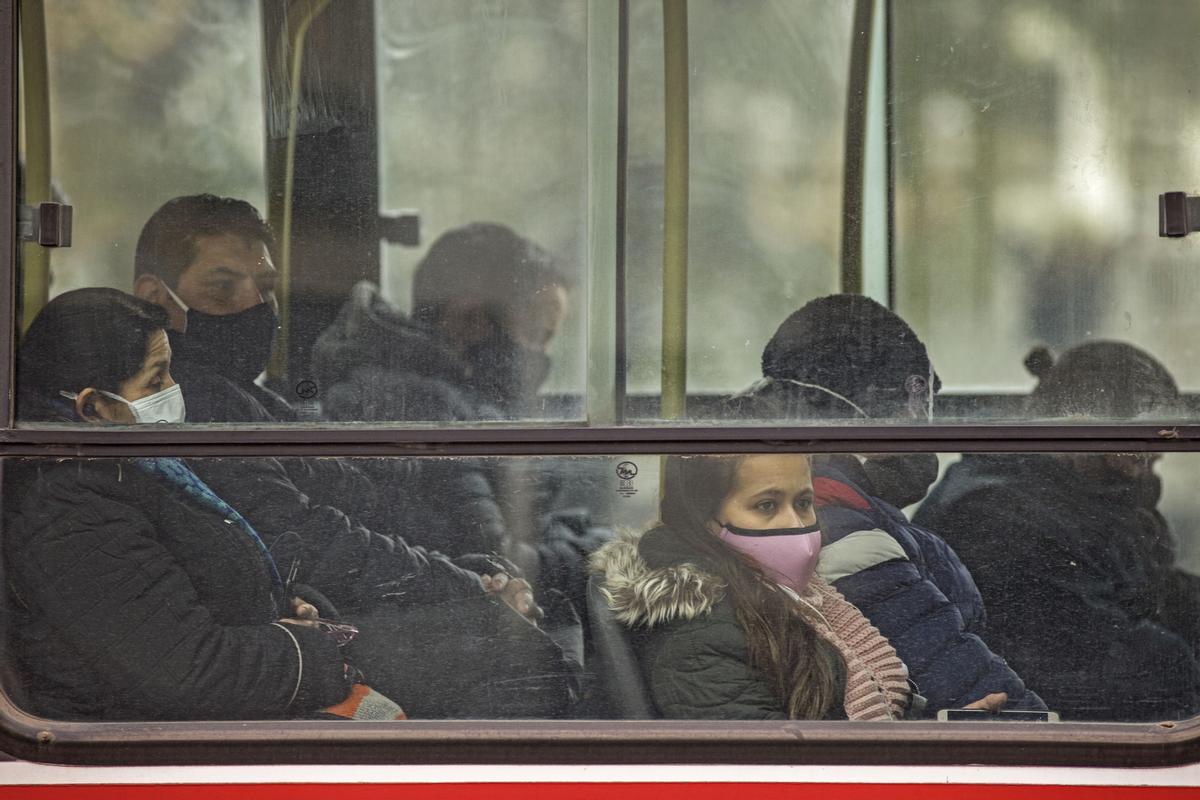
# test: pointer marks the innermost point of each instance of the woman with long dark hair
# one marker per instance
(729, 618)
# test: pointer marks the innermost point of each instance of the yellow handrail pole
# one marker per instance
(35, 259)
(675, 211)
(300, 18)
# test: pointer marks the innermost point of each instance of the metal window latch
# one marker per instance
(1178, 214)
(48, 224)
(401, 227)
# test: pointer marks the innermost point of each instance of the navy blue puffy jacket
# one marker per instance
(912, 586)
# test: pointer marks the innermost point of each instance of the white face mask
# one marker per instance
(165, 406)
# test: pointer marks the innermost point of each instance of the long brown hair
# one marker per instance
(780, 636)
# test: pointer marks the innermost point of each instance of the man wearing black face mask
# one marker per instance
(487, 303)
(1073, 558)
(207, 261)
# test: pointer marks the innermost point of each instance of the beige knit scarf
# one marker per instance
(876, 679)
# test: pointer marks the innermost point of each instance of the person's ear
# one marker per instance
(916, 385)
(919, 397)
(93, 407)
(149, 288)
(85, 406)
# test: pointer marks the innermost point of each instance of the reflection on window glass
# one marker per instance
(760, 587)
(1032, 140)
(148, 100)
(483, 118)
(767, 105)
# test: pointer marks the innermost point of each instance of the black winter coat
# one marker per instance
(319, 546)
(1074, 571)
(295, 503)
(212, 398)
(131, 600)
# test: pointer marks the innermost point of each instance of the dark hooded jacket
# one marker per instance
(131, 599)
(375, 364)
(1076, 575)
(913, 587)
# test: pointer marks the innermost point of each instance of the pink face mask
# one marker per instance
(786, 555)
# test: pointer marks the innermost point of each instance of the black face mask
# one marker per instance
(236, 346)
(506, 374)
(901, 479)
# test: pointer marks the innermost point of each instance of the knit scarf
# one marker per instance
(876, 679)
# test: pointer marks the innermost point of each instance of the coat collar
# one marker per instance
(642, 596)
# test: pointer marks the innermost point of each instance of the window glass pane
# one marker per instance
(483, 118)
(1034, 174)
(1031, 141)
(161, 588)
(275, 300)
(148, 100)
(767, 85)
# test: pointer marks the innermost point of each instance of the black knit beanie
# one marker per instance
(1102, 379)
(851, 345)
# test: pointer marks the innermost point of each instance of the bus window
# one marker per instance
(767, 94)
(1031, 140)
(1024, 194)
(568, 401)
(483, 118)
(258, 588)
(148, 101)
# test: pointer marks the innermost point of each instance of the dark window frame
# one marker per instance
(602, 741)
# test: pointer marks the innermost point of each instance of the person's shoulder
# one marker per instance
(95, 489)
(976, 480)
(370, 393)
(210, 397)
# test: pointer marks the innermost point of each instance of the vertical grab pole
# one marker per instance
(878, 169)
(301, 14)
(855, 147)
(34, 279)
(675, 216)
(621, 373)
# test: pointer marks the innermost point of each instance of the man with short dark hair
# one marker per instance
(208, 262)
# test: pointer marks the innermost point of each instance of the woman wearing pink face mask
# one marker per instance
(729, 619)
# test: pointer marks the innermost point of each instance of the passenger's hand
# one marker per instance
(303, 613)
(993, 702)
(516, 592)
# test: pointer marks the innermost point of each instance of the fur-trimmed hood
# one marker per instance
(642, 596)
